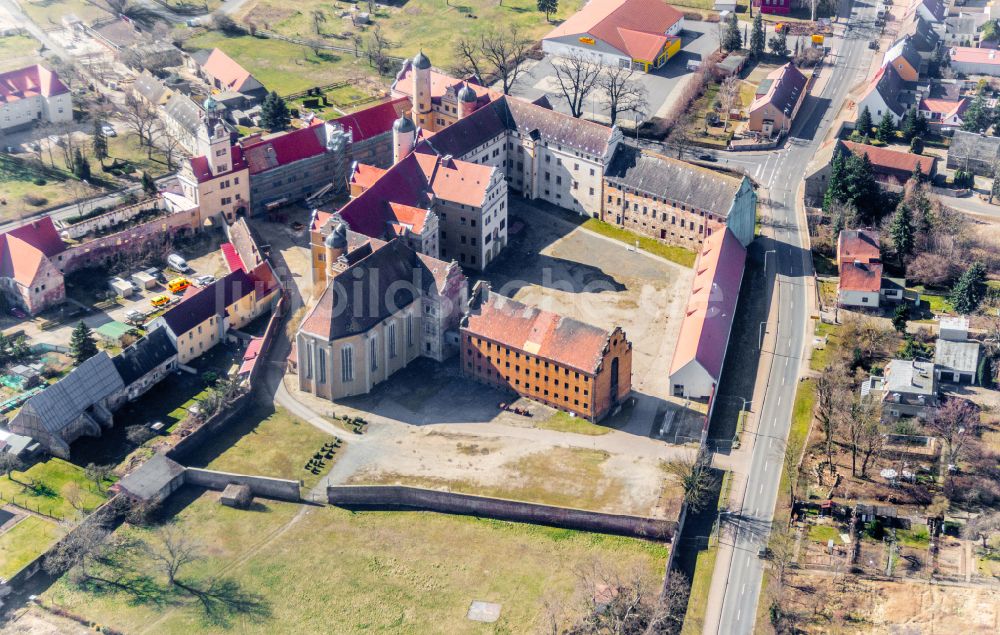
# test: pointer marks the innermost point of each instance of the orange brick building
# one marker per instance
(544, 356)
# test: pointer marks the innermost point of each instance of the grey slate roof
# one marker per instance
(923, 35)
(211, 300)
(184, 111)
(144, 355)
(673, 180)
(960, 357)
(89, 383)
(150, 478)
(149, 86)
(788, 91)
(909, 377)
(890, 86)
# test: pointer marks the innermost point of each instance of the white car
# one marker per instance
(204, 281)
(109, 131)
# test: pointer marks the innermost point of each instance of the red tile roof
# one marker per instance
(861, 276)
(233, 260)
(946, 107)
(375, 120)
(617, 21)
(548, 335)
(895, 160)
(282, 148)
(364, 175)
(30, 81)
(42, 235)
(974, 55)
(230, 74)
(708, 319)
(858, 244)
(202, 173)
(251, 354)
(440, 84)
(24, 249)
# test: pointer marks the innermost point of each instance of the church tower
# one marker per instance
(213, 139)
(422, 91)
(466, 101)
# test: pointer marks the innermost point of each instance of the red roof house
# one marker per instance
(859, 262)
(225, 74)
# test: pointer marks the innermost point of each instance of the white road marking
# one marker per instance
(743, 590)
(779, 400)
(760, 490)
(765, 466)
(770, 443)
(782, 380)
(738, 614)
(747, 565)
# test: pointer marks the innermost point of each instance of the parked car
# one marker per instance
(160, 300)
(178, 263)
(135, 317)
(204, 281)
(18, 313)
(707, 157)
(178, 285)
(109, 130)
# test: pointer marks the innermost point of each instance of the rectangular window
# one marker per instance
(373, 353)
(321, 366)
(391, 343)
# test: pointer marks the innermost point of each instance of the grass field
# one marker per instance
(329, 570)
(562, 422)
(918, 537)
(265, 441)
(673, 253)
(24, 542)
(701, 582)
(822, 356)
(18, 51)
(47, 13)
(935, 302)
(40, 488)
(566, 477)
(824, 533)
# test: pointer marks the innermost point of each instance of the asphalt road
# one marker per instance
(781, 173)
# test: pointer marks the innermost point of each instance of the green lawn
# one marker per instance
(822, 356)
(673, 253)
(802, 412)
(824, 533)
(24, 542)
(18, 51)
(48, 13)
(330, 570)
(917, 537)
(934, 301)
(562, 422)
(47, 185)
(701, 582)
(265, 441)
(41, 486)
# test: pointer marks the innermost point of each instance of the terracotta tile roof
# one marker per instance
(250, 355)
(886, 159)
(364, 175)
(858, 244)
(441, 85)
(456, 181)
(202, 173)
(233, 260)
(384, 280)
(861, 276)
(230, 74)
(642, 45)
(616, 22)
(947, 108)
(42, 235)
(973, 55)
(281, 148)
(548, 335)
(19, 260)
(375, 120)
(30, 81)
(715, 291)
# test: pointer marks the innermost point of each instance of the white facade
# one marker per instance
(571, 45)
(692, 381)
(862, 299)
(22, 112)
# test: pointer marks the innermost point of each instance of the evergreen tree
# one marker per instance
(274, 113)
(731, 40)
(548, 7)
(779, 44)
(81, 166)
(963, 179)
(908, 124)
(100, 142)
(970, 289)
(900, 316)
(977, 116)
(148, 184)
(82, 345)
(757, 37)
(917, 145)
(901, 230)
(835, 191)
(860, 188)
(864, 123)
(886, 130)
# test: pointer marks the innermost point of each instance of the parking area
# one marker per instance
(663, 86)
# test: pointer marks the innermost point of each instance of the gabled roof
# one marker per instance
(230, 74)
(947, 108)
(282, 148)
(374, 120)
(30, 81)
(211, 300)
(144, 355)
(906, 49)
(548, 335)
(151, 88)
(42, 235)
(231, 256)
(385, 279)
(935, 8)
(973, 55)
(858, 244)
(673, 180)
(151, 478)
(715, 291)
(861, 276)
(24, 249)
(184, 111)
(888, 160)
(623, 24)
(63, 402)
(889, 85)
(922, 34)
(785, 90)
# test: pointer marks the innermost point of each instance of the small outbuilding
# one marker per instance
(956, 362)
(237, 496)
(144, 280)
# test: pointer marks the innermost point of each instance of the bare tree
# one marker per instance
(872, 439)
(377, 45)
(955, 422)
(832, 400)
(318, 18)
(8, 464)
(729, 97)
(73, 494)
(622, 93)
(790, 461)
(622, 603)
(680, 134)
(865, 414)
(577, 76)
(469, 52)
(76, 549)
(982, 527)
(140, 117)
(169, 143)
(172, 551)
(695, 477)
(97, 474)
(505, 51)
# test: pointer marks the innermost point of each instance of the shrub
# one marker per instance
(39, 181)
(696, 17)
(34, 200)
(713, 18)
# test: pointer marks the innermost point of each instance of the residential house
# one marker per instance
(892, 168)
(638, 34)
(145, 363)
(908, 388)
(708, 319)
(905, 58)
(554, 359)
(968, 60)
(203, 316)
(182, 118)
(934, 11)
(33, 94)
(944, 115)
(963, 29)
(973, 152)
(778, 99)
(922, 35)
(30, 276)
(77, 405)
(383, 306)
(675, 202)
(224, 74)
(859, 263)
(885, 93)
(293, 165)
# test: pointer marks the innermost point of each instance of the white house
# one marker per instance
(30, 94)
(884, 93)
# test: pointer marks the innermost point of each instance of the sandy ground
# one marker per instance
(35, 621)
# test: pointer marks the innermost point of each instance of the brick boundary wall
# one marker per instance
(396, 496)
